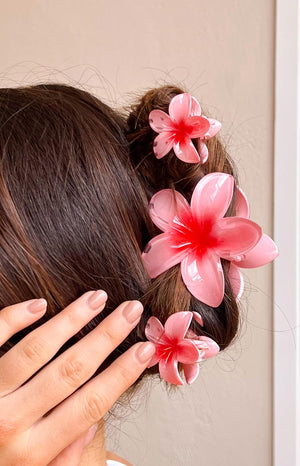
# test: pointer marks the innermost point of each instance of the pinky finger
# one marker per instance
(71, 455)
(19, 316)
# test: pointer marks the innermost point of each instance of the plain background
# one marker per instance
(223, 53)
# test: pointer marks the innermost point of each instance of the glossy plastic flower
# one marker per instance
(198, 236)
(177, 129)
(173, 347)
(264, 252)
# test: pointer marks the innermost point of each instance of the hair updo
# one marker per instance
(75, 180)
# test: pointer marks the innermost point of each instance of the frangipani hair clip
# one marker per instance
(177, 129)
(174, 344)
(198, 236)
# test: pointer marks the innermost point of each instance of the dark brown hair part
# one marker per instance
(75, 180)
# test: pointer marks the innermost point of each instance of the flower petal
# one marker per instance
(186, 151)
(210, 347)
(203, 276)
(159, 255)
(177, 324)
(264, 252)
(160, 121)
(241, 204)
(198, 318)
(179, 108)
(154, 330)
(162, 144)
(236, 281)
(187, 352)
(214, 128)
(212, 196)
(168, 369)
(165, 205)
(235, 236)
(203, 151)
(191, 372)
(197, 126)
(195, 107)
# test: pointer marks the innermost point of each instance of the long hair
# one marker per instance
(75, 180)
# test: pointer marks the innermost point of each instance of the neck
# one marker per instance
(95, 453)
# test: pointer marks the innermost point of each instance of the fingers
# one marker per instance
(72, 368)
(19, 316)
(40, 345)
(71, 455)
(90, 403)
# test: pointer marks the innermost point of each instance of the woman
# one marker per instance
(76, 178)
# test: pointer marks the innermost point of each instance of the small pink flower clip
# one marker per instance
(198, 235)
(174, 344)
(177, 129)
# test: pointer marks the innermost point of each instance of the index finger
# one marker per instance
(89, 404)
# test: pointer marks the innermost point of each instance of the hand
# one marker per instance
(28, 438)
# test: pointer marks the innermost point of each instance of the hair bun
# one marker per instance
(168, 171)
(171, 172)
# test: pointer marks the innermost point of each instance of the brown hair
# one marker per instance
(75, 181)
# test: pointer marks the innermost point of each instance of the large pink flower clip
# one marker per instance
(175, 343)
(177, 129)
(198, 236)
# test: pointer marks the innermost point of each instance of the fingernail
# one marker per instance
(36, 305)
(96, 299)
(90, 435)
(132, 311)
(145, 351)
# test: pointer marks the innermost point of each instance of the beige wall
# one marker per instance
(223, 52)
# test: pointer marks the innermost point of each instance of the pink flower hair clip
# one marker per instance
(174, 344)
(177, 129)
(198, 235)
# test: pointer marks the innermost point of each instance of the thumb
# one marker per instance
(71, 455)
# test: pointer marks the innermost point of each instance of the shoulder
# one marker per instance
(111, 457)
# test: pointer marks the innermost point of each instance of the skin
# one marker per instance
(73, 405)
(96, 454)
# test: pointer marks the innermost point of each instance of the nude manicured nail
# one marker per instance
(36, 305)
(132, 311)
(145, 351)
(96, 299)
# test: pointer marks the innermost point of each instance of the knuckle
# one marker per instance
(6, 317)
(123, 374)
(72, 371)
(94, 407)
(21, 453)
(108, 333)
(73, 315)
(34, 349)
